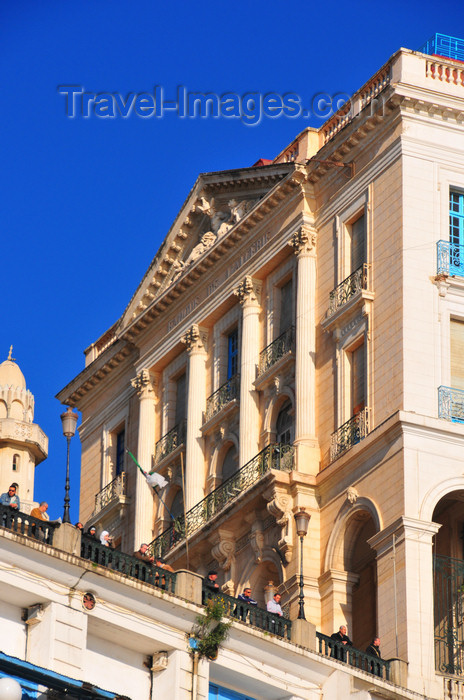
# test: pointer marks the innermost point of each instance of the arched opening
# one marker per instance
(16, 410)
(229, 463)
(448, 577)
(284, 424)
(15, 463)
(260, 580)
(3, 411)
(361, 562)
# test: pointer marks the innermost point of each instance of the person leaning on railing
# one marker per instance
(161, 564)
(374, 650)
(10, 498)
(338, 652)
(40, 513)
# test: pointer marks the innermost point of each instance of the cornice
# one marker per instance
(95, 373)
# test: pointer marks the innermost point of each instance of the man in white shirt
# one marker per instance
(273, 606)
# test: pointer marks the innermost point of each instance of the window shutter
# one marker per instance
(357, 243)
(457, 353)
(180, 399)
(358, 379)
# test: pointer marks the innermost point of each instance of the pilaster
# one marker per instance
(249, 295)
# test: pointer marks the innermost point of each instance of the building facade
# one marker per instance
(297, 343)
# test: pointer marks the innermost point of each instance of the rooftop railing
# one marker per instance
(348, 288)
(224, 395)
(24, 524)
(170, 442)
(450, 259)
(251, 614)
(349, 434)
(354, 657)
(110, 492)
(451, 404)
(272, 457)
(131, 566)
(278, 348)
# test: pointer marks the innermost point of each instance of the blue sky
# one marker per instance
(86, 202)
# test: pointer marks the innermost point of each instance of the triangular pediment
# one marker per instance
(217, 203)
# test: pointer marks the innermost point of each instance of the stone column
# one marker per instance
(249, 294)
(144, 383)
(307, 455)
(195, 341)
(405, 599)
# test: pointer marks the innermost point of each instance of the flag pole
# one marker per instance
(154, 487)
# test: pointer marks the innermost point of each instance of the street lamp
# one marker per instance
(68, 420)
(302, 524)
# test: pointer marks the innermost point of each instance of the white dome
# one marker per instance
(11, 375)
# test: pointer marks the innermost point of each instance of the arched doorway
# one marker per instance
(360, 562)
(448, 579)
(229, 463)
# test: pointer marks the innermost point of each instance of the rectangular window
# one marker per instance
(456, 233)
(457, 353)
(286, 315)
(180, 399)
(358, 379)
(216, 692)
(120, 451)
(232, 354)
(357, 243)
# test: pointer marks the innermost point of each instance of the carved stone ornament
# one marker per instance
(195, 339)
(304, 241)
(281, 508)
(351, 495)
(224, 550)
(144, 384)
(160, 661)
(249, 291)
(257, 540)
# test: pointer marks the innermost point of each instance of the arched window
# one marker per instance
(15, 465)
(230, 463)
(177, 505)
(284, 425)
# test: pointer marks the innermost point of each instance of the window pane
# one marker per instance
(358, 380)
(286, 315)
(180, 399)
(120, 452)
(357, 243)
(232, 359)
(457, 353)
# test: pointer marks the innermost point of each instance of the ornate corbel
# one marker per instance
(223, 550)
(280, 506)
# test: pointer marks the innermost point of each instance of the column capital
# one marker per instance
(249, 291)
(145, 384)
(195, 339)
(304, 241)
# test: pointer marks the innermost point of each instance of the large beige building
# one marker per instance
(297, 342)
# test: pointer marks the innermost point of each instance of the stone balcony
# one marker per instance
(12, 430)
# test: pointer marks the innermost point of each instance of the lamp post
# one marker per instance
(302, 524)
(68, 420)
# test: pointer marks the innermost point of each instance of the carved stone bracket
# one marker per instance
(249, 291)
(257, 540)
(223, 550)
(304, 241)
(351, 495)
(195, 339)
(280, 506)
(145, 384)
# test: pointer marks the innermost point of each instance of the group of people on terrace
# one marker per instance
(339, 650)
(11, 499)
(272, 606)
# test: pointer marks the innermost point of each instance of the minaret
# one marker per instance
(23, 444)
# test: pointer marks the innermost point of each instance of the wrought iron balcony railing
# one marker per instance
(348, 288)
(110, 492)
(96, 552)
(224, 395)
(451, 404)
(278, 348)
(251, 614)
(448, 605)
(349, 434)
(272, 457)
(171, 441)
(354, 657)
(24, 524)
(450, 259)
